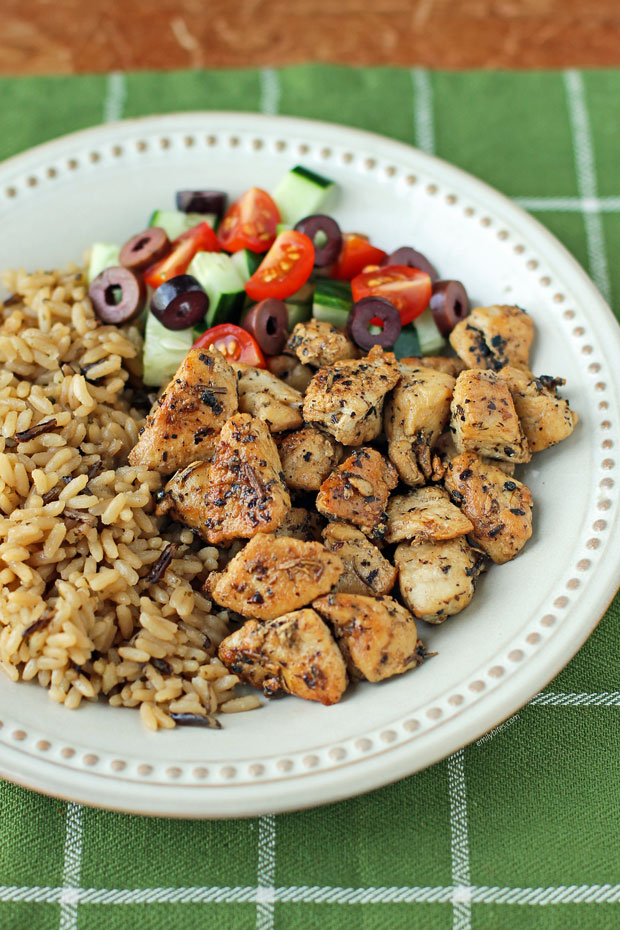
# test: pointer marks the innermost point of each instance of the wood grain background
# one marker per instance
(70, 36)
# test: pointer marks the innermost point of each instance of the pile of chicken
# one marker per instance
(282, 458)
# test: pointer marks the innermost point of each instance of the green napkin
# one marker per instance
(520, 829)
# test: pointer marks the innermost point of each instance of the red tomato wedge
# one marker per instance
(234, 343)
(250, 223)
(407, 288)
(355, 254)
(200, 238)
(286, 266)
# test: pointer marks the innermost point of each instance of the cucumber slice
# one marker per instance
(430, 339)
(299, 305)
(219, 276)
(407, 343)
(102, 255)
(332, 301)
(175, 222)
(300, 193)
(246, 262)
(164, 350)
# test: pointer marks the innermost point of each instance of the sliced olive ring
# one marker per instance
(364, 313)
(449, 305)
(201, 202)
(145, 249)
(117, 295)
(180, 302)
(267, 321)
(405, 255)
(327, 229)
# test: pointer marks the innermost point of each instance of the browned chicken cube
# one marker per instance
(415, 416)
(499, 507)
(365, 569)
(185, 422)
(346, 399)
(319, 344)
(267, 397)
(301, 524)
(447, 364)
(357, 491)
(425, 514)
(377, 636)
(484, 419)
(491, 337)
(545, 417)
(290, 370)
(274, 575)
(436, 578)
(307, 456)
(295, 653)
(241, 493)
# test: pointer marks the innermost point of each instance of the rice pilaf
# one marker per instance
(97, 596)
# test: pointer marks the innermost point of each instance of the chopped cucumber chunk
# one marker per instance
(102, 255)
(300, 193)
(430, 339)
(175, 222)
(332, 301)
(164, 350)
(217, 273)
(407, 343)
(246, 262)
(299, 305)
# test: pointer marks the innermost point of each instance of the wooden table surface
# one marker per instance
(72, 36)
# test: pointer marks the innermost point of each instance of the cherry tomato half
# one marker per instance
(355, 254)
(235, 344)
(286, 266)
(250, 223)
(200, 238)
(407, 288)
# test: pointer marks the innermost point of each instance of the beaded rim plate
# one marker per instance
(528, 618)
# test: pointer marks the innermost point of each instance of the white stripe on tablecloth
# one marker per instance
(459, 842)
(70, 891)
(266, 872)
(586, 177)
(116, 95)
(269, 91)
(574, 699)
(314, 894)
(570, 204)
(423, 119)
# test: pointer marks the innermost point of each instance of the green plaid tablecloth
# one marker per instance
(519, 830)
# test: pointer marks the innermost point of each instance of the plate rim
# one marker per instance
(601, 598)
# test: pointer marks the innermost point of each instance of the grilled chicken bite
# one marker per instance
(425, 514)
(267, 397)
(274, 575)
(319, 344)
(294, 653)
(307, 457)
(437, 578)
(491, 337)
(545, 417)
(357, 491)
(415, 416)
(185, 422)
(301, 524)
(241, 493)
(365, 569)
(377, 636)
(499, 507)
(447, 364)
(484, 419)
(446, 450)
(346, 399)
(291, 371)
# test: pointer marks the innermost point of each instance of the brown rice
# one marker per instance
(97, 597)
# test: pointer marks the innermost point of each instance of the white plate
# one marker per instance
(528, 617)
